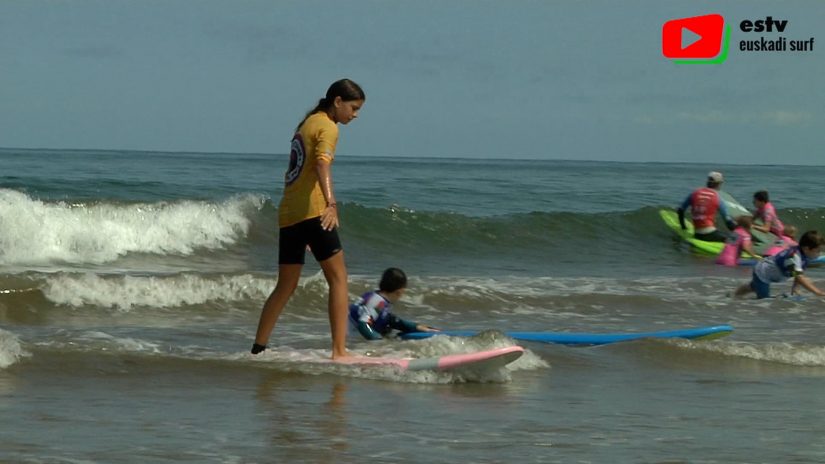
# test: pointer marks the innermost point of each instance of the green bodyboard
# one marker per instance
(672, 221)
(762, 241)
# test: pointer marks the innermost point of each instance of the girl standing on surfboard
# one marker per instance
(308, 214)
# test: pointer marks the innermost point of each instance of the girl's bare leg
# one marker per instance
(288, 276)
(335, 271)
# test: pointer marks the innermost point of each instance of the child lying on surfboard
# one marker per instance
(370, 315)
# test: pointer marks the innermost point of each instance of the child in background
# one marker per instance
(785, 241)
(739, 242)
(370, 315)
(767, 214)
(784, 265)
(788, 235)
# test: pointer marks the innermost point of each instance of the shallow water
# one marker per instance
(129, 295)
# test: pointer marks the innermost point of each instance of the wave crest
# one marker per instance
(35, 232)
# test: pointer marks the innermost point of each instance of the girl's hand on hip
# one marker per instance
(329, 217)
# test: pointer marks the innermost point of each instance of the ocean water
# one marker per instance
(131, 284)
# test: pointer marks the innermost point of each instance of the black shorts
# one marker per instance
(294, 239)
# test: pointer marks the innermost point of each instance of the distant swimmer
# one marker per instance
(704, 202)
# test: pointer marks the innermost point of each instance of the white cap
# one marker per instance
(715, 176)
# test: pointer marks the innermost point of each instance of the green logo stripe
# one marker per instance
(723, 55)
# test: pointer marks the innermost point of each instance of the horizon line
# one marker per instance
(397, 155)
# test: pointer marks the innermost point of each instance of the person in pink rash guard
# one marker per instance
(740, 241)
(767, 214)
(785, 241)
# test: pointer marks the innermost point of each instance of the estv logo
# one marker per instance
(696, 40)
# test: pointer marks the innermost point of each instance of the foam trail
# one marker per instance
(10, 349)
(792, 354)
(126, 292)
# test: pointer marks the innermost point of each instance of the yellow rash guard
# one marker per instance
(313, 143)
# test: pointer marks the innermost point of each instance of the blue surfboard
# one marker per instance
(819, 260)
(589, 339)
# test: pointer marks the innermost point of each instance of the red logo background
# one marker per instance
(710, 27)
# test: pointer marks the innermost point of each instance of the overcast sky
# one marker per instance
(545, 79)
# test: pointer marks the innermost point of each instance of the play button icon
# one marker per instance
(689, 37)
(697, 38)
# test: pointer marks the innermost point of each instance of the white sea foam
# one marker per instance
(100, 341)
(316, 362)
(127, 292)
(505, 288)
(783, 353)
(10, 349)
(37, 232)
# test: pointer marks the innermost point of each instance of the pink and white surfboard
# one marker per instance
(488, 359)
